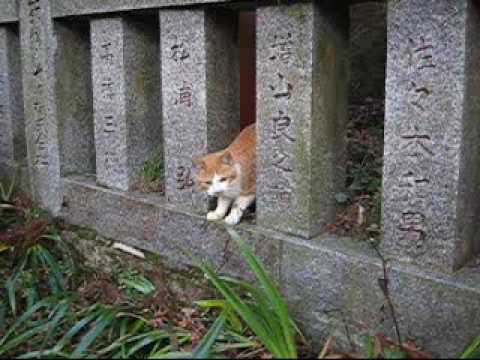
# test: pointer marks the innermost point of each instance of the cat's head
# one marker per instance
(217, 173)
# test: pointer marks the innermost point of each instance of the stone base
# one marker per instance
(325, 279)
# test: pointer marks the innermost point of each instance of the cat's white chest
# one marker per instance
(235, 187)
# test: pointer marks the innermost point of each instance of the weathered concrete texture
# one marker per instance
(325, 274)
(431, 164)
(301, 111)
(38, 44)
(200, 94)
(126, 107)
(329, 280)
(146, 221)
(368, 50)
(74, 99)
(9, 11)
(12, 126)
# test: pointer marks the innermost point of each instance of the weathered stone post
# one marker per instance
(126, 107)
(301, 113)
(431, 162)
(37, 42)
(12, 131)
(200, 94)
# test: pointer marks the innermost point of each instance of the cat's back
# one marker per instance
(243, 152)
(245, 143)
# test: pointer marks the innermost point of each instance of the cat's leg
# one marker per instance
(223, 203)
(239, 206)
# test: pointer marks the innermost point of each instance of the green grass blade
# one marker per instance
(105, 318)
(203, 350)
(79, 326)
(20, 339)
(273, 294)
(472, 351)
(22, 319)
(174, 355)
(141, 285)
(11, 284)
(250, 318)
(144, 343)
(53, 268)
(232, 318)
(59, 315)
(157, 354)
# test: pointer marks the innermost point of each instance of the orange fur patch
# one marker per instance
(242, 151)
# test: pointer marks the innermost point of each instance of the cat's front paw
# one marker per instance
(214, 216)
(233, 219)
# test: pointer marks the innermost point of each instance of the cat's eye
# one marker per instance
(223, 179)
(208, 182)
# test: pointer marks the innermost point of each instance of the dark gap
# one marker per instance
(247, 39)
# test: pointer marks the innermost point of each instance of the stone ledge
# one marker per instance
(147, 222)
(61, 8)
(440, 312)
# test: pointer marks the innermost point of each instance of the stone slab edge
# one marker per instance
(62, 8)
(8, 11)
(321, 278)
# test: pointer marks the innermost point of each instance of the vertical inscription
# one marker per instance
(180, 63)
(108, 76)
(199, 94)
(5, 130)
(417, 148)
(110, 120)
(38, 91)
(282, 49)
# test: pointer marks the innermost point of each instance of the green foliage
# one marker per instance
(133, 283)
(43, 316)
(262, 308)
(472, 351)
(153, 168)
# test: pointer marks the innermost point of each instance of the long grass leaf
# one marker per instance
(11, 283)
(202, 351)
(157, 354)
(273, 294)
(60, 314)
(101, 323)
(250, 318)
(472, 351)
(20, 339)
(79, 326)
(25, 316)
(174, 355)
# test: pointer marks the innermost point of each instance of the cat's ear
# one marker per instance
(227, 158)
(199, 162)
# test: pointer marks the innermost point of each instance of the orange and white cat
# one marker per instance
(230, 176)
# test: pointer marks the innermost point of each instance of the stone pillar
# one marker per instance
(301, 112)
(37, 43)
(74, 98)
(200, 94)
(125, 90)
(431, 161)
(12, 130)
